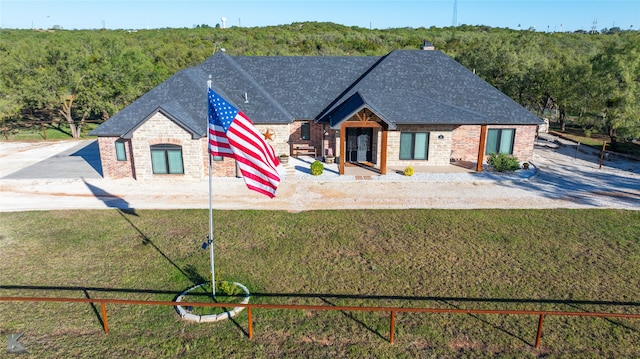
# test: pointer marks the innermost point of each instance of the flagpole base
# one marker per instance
(186, 315)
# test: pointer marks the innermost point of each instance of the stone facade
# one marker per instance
(158, 129)
(445, 143)
(440, 143)
(280, 137)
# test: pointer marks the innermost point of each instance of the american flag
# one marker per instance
(233, 135)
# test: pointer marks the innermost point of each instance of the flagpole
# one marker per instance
(213, 271)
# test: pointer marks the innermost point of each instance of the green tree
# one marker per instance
(617, 96)
(67, 76)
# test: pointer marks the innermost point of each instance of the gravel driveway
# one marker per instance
(68, 175)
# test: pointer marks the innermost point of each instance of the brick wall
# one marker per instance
(225, 167)
(316, 136)
(466, 140)
(111, 167)
(524, 142)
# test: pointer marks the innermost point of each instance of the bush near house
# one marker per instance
(502, 162)
(317, 168)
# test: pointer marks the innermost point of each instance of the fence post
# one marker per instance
(104, 317)
(393, 325)
(604, 147)
(250, 323)
(539, 331)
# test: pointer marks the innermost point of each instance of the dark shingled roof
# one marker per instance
(403, 87)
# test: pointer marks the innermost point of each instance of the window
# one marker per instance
(500, 140)
(217, 158)
(166, 159)
(414, 145)
(305, 131)
(121, 152)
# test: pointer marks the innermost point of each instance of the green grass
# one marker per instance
(34, 132)
(575, 133)
(588, 141)
(496, 259)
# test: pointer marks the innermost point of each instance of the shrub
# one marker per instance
(502, 162)
(317, 168)
(223, 287)
(227, 288)
(408, 171)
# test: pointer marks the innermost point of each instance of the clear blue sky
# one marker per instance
(543, 15)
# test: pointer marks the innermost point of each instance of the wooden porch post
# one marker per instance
(383, 155)
(483, 140)
(343, 136)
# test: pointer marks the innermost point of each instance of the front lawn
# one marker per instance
(569, 260)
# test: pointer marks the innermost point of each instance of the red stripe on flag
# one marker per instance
(251, 145)
(257, 174)
(250, 134)
(250, 158)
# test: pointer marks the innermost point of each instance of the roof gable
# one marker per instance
(350, 107)
(182, 98)
(414, 87)
(167, 115)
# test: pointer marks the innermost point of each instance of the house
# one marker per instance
(409, 107)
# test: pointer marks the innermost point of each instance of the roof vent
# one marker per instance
(426, 45)
(246, 98)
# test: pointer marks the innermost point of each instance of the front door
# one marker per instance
(363, 147)
(359, 144)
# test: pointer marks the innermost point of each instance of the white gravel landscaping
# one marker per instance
(561, 176)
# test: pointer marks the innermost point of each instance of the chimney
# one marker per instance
(426, 45)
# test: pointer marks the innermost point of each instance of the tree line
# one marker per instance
(73, 76)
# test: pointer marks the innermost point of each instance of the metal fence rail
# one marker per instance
(392, 310)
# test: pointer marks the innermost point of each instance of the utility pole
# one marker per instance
(454, 21)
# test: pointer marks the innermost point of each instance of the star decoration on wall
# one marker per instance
(268, 135)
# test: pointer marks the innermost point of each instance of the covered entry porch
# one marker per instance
(363, 144)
